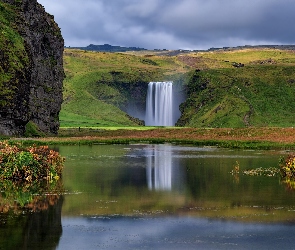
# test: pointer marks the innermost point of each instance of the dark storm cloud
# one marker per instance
(174, 24)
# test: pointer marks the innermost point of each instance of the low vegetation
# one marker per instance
(287, 169)
(238, 138)
(30, 177)
(29, 164)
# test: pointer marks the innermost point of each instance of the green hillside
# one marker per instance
(99, 87)
(238, 88)
(261, 93)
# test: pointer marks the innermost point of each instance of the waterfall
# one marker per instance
(159, 104)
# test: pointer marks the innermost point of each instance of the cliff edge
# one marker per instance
(31, 68)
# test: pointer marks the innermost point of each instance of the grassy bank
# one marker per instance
(240, 138)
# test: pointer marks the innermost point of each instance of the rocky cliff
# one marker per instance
(31, 68)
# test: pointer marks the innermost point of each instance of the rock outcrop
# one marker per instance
(31, 68)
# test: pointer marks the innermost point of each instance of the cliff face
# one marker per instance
(31, 68)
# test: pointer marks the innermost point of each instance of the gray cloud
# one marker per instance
(174, 24)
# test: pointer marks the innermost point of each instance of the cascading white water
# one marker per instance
(159, 104)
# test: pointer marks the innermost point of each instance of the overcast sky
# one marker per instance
(174, 24)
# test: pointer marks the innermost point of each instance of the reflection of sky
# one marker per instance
(164, 167)
(172, 233)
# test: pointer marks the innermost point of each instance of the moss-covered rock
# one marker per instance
(32, 130)
(31, 67)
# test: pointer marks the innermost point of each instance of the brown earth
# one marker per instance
(276, 135)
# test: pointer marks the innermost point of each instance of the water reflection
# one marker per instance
(127, 197)
(153, 197)
(148, 179)
(19, 196)
(30, 214)
(159, 167)
(172, 233)
(32, 230)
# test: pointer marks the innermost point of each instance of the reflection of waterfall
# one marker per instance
(159, 104)
(159, 168)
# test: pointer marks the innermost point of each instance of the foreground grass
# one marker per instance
(240, 138)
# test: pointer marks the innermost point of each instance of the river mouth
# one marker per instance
(159, 197)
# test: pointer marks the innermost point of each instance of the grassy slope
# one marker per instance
(91, 96)
(259, 94)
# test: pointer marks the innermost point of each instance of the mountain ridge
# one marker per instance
(117, 48)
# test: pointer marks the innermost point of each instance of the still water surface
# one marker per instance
(159, 197)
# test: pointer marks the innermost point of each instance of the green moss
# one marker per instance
(32, 130)
(13, 55)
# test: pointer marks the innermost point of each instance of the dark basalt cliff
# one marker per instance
(31, 68)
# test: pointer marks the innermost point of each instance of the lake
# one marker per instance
(157, 197)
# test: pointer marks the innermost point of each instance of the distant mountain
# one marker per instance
(281, 47)
(112, 48)
(108, 48)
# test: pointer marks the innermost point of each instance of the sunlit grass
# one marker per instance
(254, 95)
(246, 56)
(95, 85)
(98, 87)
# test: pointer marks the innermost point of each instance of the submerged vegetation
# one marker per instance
(285, 170)
(287, 167)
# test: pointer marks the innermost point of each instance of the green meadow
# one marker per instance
(99, 87)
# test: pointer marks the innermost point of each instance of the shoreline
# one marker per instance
(241, 138)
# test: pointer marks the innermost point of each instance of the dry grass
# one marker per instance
(264, 138)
